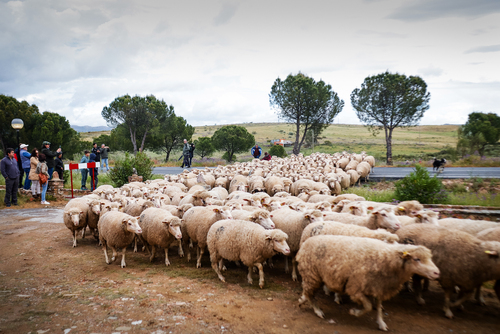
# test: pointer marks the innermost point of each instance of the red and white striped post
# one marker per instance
(88, 165)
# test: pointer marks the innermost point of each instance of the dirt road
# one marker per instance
(46, 286)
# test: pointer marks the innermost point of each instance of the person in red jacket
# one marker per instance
(266, 156)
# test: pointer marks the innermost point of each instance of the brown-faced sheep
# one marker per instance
(464, 260)
(117, 230)
(197, 222)
(197, 198)
(159, 230)
(408, 208)
(361, 268)
(239, 240)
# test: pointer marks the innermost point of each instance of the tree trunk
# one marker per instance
(388, 143)
(296, 146)
(132, 138)
(143, 140)
(303, 137)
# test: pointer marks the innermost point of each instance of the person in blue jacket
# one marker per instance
(256, 151)
(25, 163)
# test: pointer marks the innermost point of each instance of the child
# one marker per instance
(85, 159)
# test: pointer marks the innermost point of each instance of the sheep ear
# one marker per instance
(268, 236)
(375, 212)
(492, 253)
(405, 255)
(307, 216)
(124, 220)
(401, 208)
(370, 208)
(352, 207)
(216, 210)
(418, 216)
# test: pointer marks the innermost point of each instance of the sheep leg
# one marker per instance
(270, 262)
(380, 319)
(360, 299)
(215, 266)
(135, 244)
(74, 238)
(181, 251)
(113, 258)
(200, 254)
(426, 284)
(479, 296)
(221, 265)
(308, 295)
(83, 232)
(464, 295)
(167, 262)
(294, 269)
(104, 248)
(287, 270)
(123, 264)
(261, 274)
(249, 276)
(338, 297)
(446, 308)
(153, 252)
(417, 287)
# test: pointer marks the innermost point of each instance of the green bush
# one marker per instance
(278, 150)
(124, 168)
(225, 156)
(421, 187)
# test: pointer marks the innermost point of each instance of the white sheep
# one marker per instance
(239, 240)
(117, 230)
(361, 268)
(380, 218)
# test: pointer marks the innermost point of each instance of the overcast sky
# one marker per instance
(215, 61)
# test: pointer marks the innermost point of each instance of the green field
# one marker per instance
(408, 143)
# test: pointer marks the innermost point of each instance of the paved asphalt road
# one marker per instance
(396, 173)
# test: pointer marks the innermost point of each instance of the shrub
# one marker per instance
(225, 156)
(278, 151)
(124, 168)
(421, 187)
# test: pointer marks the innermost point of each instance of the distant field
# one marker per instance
(420, 140)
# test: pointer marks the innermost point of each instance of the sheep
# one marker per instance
(356, 208)
(420, 217)
(112, 206)
(464, 260)
(467, 225)
(75, 217)
(256, 184)
(239, 240)
(239, 182)
(293, 223)
(350, 197)
(408, 208)
(353, 177)
(117, 230)
(335, 228)
(135, 209)
(259, 216)
(363, 170)
(159, 230)
(220, 192)
(491, 234)
(361, 268)
(321, 198)
(380, 218)
(274, 185)
(197, 222)
(197, 198)
(93, 217)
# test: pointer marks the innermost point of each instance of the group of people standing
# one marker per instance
(38, 168)
(256, 152)
(98, 154)
(187, 154)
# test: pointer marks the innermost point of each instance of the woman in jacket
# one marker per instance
(43, 169)
(33, 175)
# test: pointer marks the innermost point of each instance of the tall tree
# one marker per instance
(301, 100)
(139, 114)
(204, 147)
(232, 139)
(387, 101)
(11, 108)
(480, 130)
(170, 133)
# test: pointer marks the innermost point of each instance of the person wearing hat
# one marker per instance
(25, 164)
(10, 171)
(49, 155)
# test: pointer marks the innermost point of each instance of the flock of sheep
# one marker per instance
(249, 212)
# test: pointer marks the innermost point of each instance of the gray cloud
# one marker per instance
(226, 13)
(430, 71)
(433, 9)
(380, 34)
(484, 49)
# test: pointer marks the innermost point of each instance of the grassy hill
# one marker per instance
(407, 142)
